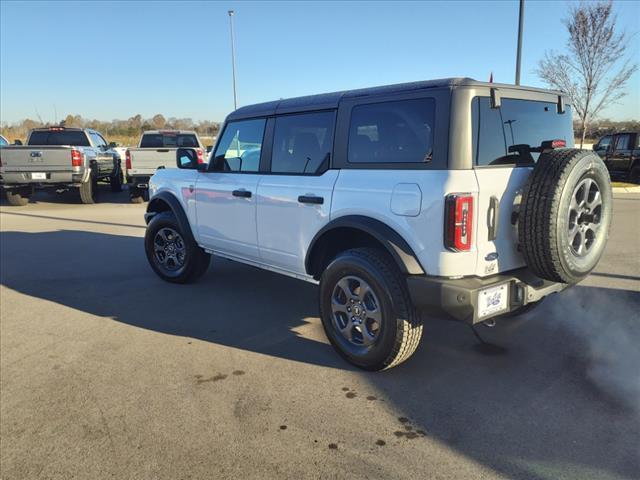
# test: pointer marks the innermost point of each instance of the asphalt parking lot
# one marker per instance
(108, 372)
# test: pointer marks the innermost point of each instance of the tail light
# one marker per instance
(458, 214)
(127, 161)
(76, 158)
(200, 156)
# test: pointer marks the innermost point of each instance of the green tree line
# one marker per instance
(125, 132)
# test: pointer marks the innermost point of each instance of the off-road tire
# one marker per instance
(88, 191)
(545, 214)
(196, 259)
(17, 199)
(401, 327)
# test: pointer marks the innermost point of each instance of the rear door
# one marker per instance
(294, 198)
(502, 172)
(226, 194)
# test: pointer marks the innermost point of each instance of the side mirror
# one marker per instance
(112, 145)
(187, 158)
(595, 147)
(17, 142)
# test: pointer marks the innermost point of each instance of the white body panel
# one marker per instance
(227, 223)
(181, 184)
(505, 184)
(286, 226)
(370, 193)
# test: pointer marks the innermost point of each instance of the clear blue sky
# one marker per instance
(109, 60)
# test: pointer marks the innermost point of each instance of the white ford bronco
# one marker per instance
(452, 195)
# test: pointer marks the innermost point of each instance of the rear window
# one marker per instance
(59, 137)
(168, 140)
(392, 132)
(516, 122)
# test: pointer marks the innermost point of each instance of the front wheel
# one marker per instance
(366, 310)
(172, 253)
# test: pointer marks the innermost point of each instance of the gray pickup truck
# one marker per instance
(59, 158)
(157, 150)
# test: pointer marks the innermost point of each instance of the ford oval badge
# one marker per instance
(491, 256)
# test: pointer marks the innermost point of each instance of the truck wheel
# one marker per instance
(16, 198)
(565, 215)
(173, 254)
(88, 190)
(634, 175)
(116, 181)
(366, 310)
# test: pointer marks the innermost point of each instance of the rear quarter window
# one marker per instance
(392, 132)
(516, 122)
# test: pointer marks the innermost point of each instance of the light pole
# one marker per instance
(519, 53)
(233, 60)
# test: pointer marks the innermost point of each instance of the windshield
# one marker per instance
(59, 137)
(168, 140)
(516, 122)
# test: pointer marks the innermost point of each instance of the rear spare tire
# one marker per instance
(565, 215)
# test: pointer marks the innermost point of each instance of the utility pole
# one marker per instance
(233, 59)
(519, 54)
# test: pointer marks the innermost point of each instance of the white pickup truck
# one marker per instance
(449, 195)
(157, 150)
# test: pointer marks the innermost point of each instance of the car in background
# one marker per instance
(157, 150)
(59, 158)
(621, 155)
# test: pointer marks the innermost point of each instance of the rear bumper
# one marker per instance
(13, 179)
(459, 298)
(138, 181)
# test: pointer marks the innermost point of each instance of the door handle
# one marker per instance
(163, 150)
(311, 199)
(241, 193)
(492, 218)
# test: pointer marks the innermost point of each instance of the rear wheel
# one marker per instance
(172, 253)
(18, 198)
(366, 310)
(88, 190)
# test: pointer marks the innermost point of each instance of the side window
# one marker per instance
(604, 143)
(302, 143)
(622, 142)
(239, 148)
(392, 132)
(97, 140)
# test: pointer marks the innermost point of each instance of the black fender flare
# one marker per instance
(157, 205)
(397, 246)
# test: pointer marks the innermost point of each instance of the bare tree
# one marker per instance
(587, 73)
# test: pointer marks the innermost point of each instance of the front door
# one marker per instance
(226, 193)
(620, 158)
(294, 199)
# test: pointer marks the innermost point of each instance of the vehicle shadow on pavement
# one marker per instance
(554, 400)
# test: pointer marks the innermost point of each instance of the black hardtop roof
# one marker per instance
(331, 100)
